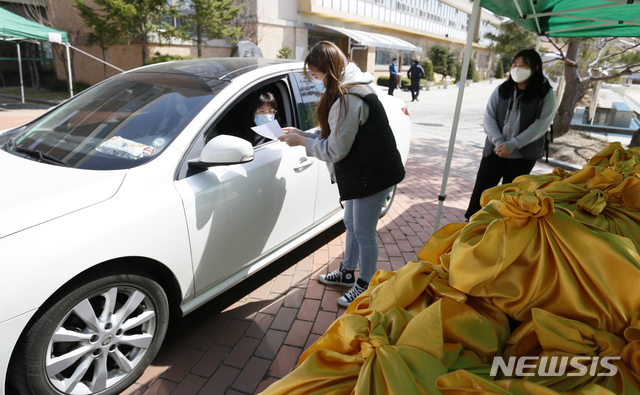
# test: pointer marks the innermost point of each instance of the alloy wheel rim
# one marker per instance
(389, 197)
(100, 341)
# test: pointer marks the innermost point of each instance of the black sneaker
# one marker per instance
(346, 299)
(338, 277)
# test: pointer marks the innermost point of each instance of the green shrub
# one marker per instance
(428, 70)
(472, 74)
(405, 83)
(56, 85)
(443, 60)
(383, 81)
(285, 53)
(79, 86)
(159, 58)
(499, 71)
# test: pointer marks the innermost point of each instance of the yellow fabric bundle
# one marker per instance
(557, 252)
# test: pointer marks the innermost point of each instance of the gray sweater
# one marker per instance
(344, 125)
(511, 133)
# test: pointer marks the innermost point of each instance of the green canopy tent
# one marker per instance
(555, 18)
(16, 28)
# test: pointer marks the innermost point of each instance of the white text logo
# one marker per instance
(554, 366)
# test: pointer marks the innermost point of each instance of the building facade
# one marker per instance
(371, 32)
(298, 24)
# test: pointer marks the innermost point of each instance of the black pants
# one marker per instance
(393, 81)
(492, 169)
(415, 89)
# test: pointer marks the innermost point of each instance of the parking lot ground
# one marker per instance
(253, 334)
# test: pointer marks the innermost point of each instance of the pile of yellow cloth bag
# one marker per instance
(558, 253)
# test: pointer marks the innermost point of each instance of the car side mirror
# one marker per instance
(224, 150)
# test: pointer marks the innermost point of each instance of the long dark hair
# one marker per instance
(327, 58)
(536, 87)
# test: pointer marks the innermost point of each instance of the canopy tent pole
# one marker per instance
(456, 117)
(20, 69)
(535, 17)
(69, 67)
(96, 58)
(593, 106)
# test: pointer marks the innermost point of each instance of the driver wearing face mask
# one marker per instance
(265, 108)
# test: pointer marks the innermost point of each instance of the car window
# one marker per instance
(237, 120)
(119, 124)
(307, 99)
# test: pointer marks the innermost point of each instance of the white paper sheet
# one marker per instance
(271, 130)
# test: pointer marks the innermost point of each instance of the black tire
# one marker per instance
(388, 201)
(140, 316)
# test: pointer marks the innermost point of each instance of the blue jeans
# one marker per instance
(361, 218)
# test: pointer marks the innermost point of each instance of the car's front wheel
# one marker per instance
(98, 338)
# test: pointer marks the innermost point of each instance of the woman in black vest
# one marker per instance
(517, 117)
(358, 145)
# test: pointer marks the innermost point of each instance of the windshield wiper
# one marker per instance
(37, 154)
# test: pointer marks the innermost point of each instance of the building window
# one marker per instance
(383, 57)
(313, 39)
(407, 58)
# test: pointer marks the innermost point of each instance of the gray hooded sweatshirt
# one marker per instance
(344, 126)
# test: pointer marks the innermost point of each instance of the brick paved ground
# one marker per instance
(253, 334)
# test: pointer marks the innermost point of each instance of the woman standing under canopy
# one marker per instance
(517, 117)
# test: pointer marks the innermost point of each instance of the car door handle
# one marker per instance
(303, 164)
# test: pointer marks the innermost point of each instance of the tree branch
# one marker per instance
(562, 55)
(631, 69)
(621, 52)
(598, 58)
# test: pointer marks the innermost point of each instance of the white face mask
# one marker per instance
(520, 74)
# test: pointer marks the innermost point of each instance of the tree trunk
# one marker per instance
(104, 57)
(199, 40)
(144, 42)
(35, 66)
(60, 51)
(574, 86)
(144, 51)
(27, 59)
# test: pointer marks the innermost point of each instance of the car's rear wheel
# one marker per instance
(387, 202)
(96, 339)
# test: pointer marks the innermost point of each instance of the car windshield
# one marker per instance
(120, 124)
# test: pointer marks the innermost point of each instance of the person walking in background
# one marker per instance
(517, 117)
(393, 75)
(415, 73)
(358, 145)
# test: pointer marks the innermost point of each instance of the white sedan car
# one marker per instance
(138, 201)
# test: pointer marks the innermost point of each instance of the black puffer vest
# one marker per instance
(529, 112)
(373, 162)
